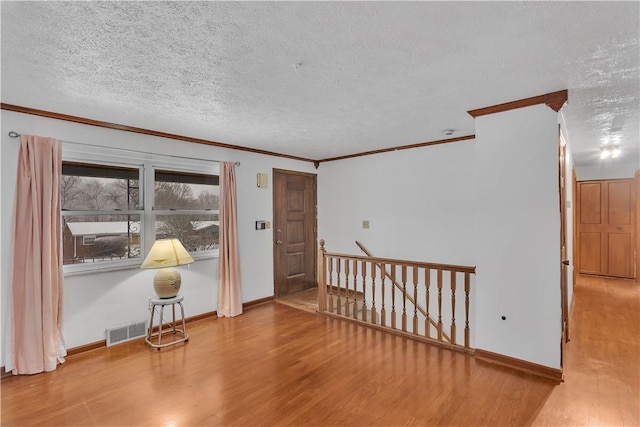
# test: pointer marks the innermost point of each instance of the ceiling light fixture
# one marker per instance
(613, 152)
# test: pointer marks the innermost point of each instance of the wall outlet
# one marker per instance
(365, 223)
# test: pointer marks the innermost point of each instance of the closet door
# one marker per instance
(607, 228)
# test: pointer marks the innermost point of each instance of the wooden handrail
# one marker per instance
(397, 285)
(448, 267)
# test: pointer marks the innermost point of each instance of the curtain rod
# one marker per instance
(14, 134)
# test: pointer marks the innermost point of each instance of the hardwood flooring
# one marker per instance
(602, 362)
(277, 365)
(304, 300)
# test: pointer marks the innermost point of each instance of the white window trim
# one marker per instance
(147, 164)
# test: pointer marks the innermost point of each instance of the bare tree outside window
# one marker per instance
(104, 202)
(192, 202)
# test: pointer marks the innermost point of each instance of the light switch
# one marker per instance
(365, 223)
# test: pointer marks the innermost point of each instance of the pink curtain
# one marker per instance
(229, 293)
(36, 287)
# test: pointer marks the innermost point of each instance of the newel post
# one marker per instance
(322, 285)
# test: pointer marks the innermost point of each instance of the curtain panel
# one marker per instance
(36, 288)
(229, 291)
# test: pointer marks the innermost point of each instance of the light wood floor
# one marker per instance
(304, 300)
(602, 363)
(277, 365)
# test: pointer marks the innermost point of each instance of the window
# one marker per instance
(186, 207)
(115, 205)
(100, 213)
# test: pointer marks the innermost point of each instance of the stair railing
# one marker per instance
(401, 299)
(413, 300)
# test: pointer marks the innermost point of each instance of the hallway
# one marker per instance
(602, 361)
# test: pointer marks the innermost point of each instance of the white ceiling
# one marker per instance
(324, 79)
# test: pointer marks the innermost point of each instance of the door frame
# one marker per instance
(564, 255)
(315, 223)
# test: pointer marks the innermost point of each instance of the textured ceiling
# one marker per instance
(323, 79)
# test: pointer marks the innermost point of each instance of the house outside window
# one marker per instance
(186, 208)
(114, 207)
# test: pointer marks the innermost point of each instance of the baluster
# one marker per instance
(452, 339)
(404, 298)
(466, 309)
(393, 296)
(355, 288)
(415, 300)
(427, 321)
(322, 280)
(338, 282)
(374, 314)
(439, 305)
(330, 284)
(364, 291)
(346, 287)
(383, 311)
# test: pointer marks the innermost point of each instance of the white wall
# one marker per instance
(492, 202)
(94, 302)
(619, 168)
(420, 206)
(517, 235)
(419, 203)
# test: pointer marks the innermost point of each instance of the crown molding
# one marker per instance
(116, 126)
(554, 100)
(400, 147)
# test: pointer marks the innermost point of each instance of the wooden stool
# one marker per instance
(172, 329)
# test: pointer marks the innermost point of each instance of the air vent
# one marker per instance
(125, 333)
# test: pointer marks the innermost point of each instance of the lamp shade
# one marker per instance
(167, 253)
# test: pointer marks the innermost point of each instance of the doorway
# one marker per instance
(564, 256)
(294, 231)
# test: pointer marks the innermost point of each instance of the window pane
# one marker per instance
(100, 238)
(97, 187)
(179, 191)
(196, 232)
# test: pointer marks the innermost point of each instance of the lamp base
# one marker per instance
(167, 282)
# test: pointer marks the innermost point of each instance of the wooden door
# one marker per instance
(294, 231)
(607, 228)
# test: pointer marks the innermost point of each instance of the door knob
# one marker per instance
(279, 242)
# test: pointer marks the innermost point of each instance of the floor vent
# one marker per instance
(126, 333)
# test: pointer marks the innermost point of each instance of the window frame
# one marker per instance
(213, 253)
(146, 163)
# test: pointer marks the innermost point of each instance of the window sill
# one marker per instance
(68, 272)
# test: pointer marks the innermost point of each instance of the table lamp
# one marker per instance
(164, 254)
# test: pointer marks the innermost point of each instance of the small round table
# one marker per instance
(155, 301)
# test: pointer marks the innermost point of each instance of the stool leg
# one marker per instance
(150, 331)
(160, 326)
(184, 326)
(173, 309)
